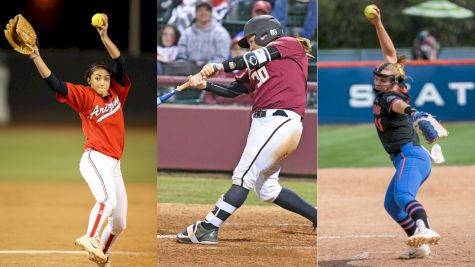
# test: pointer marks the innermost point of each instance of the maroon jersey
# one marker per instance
(281, 83)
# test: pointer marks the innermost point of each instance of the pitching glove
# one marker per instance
(21, 35)
(430, 128)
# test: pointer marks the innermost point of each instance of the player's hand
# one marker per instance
(377, 17)
(197, 81)
(102, 30)
(35, 54)
(211, 69)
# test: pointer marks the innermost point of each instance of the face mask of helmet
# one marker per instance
(383, 82)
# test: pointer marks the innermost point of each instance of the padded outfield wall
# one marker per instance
(445, 88)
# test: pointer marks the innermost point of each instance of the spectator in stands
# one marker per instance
(220, 9)
(261, 8)
(245, 99)
(167, 48)
(183, 14)
(425, 46)
(205, 40)
(309, 28)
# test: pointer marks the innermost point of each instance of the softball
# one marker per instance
(97, 20)
(369, 11)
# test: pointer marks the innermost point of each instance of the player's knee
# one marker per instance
(246, 183)
(119, 226)
(269, 192)
(111, 202)
(403, 198)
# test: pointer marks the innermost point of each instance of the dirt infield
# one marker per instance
(253, 236)
(40, 221)
(354, 229)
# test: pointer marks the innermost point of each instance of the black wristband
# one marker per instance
(409, 110)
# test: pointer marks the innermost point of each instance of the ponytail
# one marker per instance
(307, 45)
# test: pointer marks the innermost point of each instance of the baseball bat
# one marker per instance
(166, 96)
(182, 87)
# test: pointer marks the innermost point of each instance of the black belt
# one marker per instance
(263, 113)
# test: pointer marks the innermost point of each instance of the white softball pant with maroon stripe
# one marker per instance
(270, 140)
(104, 178)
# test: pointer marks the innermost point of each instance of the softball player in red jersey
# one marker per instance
(99, 105)
(275, 74)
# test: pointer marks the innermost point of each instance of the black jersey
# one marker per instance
(394, 129)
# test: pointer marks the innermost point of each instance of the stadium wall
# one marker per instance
(212, 138)
(445, 88)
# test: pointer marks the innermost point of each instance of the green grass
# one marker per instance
(53, 154)
(359, 146)
(198, 190)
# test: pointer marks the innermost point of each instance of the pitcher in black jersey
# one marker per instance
(393, 118)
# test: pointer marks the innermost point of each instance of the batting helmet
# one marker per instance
(265, 27)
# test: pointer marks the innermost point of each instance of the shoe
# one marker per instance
(314, 227)
(197, 234)
(93, 246)
(416, 253)
(104, 264)
(424, 236)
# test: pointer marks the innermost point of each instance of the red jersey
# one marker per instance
(281, 83)
(102, 118)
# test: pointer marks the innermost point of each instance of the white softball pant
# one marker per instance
(270, 140)
(104, 178)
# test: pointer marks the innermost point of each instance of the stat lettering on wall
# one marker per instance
(362, 96)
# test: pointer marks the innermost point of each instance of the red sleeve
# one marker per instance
(288, 47)
(121, 91)
(78, 97)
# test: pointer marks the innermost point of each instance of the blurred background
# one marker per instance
(353, 168)
(220, 133)
(201, 136)
(69, 45)
(435, 35)
(41, 140)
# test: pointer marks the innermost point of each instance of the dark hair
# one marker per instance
(175, 30)
(94, 67)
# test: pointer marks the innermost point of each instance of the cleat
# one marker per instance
(197, 234)
(416, 253)
(93, 246)
(104, 264)
(425, 236)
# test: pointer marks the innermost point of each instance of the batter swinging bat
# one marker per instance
(182, 87)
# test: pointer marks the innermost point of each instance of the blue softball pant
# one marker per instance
(413, 166)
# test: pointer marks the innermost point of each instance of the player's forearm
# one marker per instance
(233, 90)
(399, 106)
(252, 60)
(114, 52)
(387, 46)
(41, 66)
